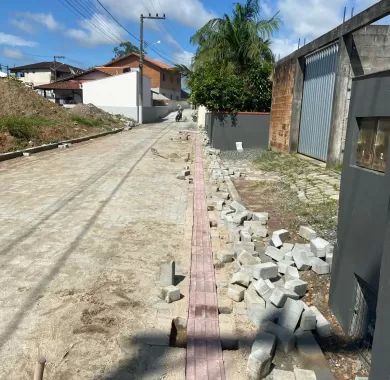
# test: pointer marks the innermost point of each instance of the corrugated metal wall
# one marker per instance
(320, 73)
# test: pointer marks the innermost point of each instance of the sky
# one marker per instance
(85, 34)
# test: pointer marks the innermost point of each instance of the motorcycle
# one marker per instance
(179, 115)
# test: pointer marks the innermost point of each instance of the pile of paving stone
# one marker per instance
(267, 276)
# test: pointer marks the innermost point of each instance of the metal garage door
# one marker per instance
(318, 88)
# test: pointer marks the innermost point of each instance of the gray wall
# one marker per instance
(363, 225)
(224, 130)
(153, 114)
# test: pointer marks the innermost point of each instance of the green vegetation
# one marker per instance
(321, 215)
(88, 121)
(233, 63)
(22, 127)
(125, 48)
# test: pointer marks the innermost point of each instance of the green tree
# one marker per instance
(233, 63)
(125, 48)
(240, 39)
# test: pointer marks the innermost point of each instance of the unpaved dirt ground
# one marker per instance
(82, 234)
(342, 354)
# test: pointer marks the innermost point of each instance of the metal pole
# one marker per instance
(141, 68)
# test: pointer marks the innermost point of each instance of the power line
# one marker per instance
(74, 9)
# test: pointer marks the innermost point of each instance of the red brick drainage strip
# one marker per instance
(204, 351)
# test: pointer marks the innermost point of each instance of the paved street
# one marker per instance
(82, 233)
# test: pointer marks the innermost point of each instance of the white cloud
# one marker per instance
(12, 53)
(311, 19)
(183, 57)
(281, 47)
(45, 19)
(191, 13)
(89, 33)
(12, 40)
(23, 25)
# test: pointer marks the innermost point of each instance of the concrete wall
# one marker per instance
(281, 109)
(152, 114)
(37, 77)
(202, 111)
(364, 51)
(250, 128)
(363, 233)
(116, 91)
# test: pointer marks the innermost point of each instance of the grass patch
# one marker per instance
(22, 127)
(87, 121)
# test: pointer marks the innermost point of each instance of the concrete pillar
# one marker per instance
(297, 103)
(343, 73)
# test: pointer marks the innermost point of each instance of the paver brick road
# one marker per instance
(82, 233)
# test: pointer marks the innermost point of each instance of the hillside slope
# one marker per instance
(27, 119)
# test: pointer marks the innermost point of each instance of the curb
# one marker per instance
(42, 148)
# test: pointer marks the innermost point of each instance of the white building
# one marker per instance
(44, 72)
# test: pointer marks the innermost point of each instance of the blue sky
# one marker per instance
(35, 30)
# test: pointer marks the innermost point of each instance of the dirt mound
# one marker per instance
(27, 119)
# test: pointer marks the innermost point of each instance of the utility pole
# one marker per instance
(55, 65)
(141, 57)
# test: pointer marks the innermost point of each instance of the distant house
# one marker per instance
(165, 79)
(39, 73)
(69, 90)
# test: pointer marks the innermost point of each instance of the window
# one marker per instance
(163, 76)
(373, 143)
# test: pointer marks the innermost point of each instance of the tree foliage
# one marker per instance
(233, 62)
(125, 48)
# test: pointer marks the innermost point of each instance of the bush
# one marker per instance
(20, 127)
(222, 89)
(87, 121)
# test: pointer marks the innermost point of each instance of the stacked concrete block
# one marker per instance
(323, 326)
(298, 286)
(219, 204)
(227, 330)
(308, 320)
(246, 258)
(236, 292)
(264, 288)
(304, 374)
(265, 342)
(245, 236)
(282, 234)
(261, 217)
(225, 256)
(301, 259)
(265, 271)
(259, 365)
(291, 314)
(285, 339)
(169, 293)
(287, 247)
(256, 229)
(239, 217)
(237, 206)
(241, 278)
(282, 265)
(319, 266)
(240, 246)
(274, 253)
(278, 374)
(291, 273)
(278, 297)
(319, 246)
(276, 241)
(307, 233)
(167, 273)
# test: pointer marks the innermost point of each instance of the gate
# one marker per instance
(318, 88)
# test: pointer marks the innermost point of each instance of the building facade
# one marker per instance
(311, 86)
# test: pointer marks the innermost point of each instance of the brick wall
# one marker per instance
(159, 78)
(282, 97)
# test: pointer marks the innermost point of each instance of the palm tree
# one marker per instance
(238, 40)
